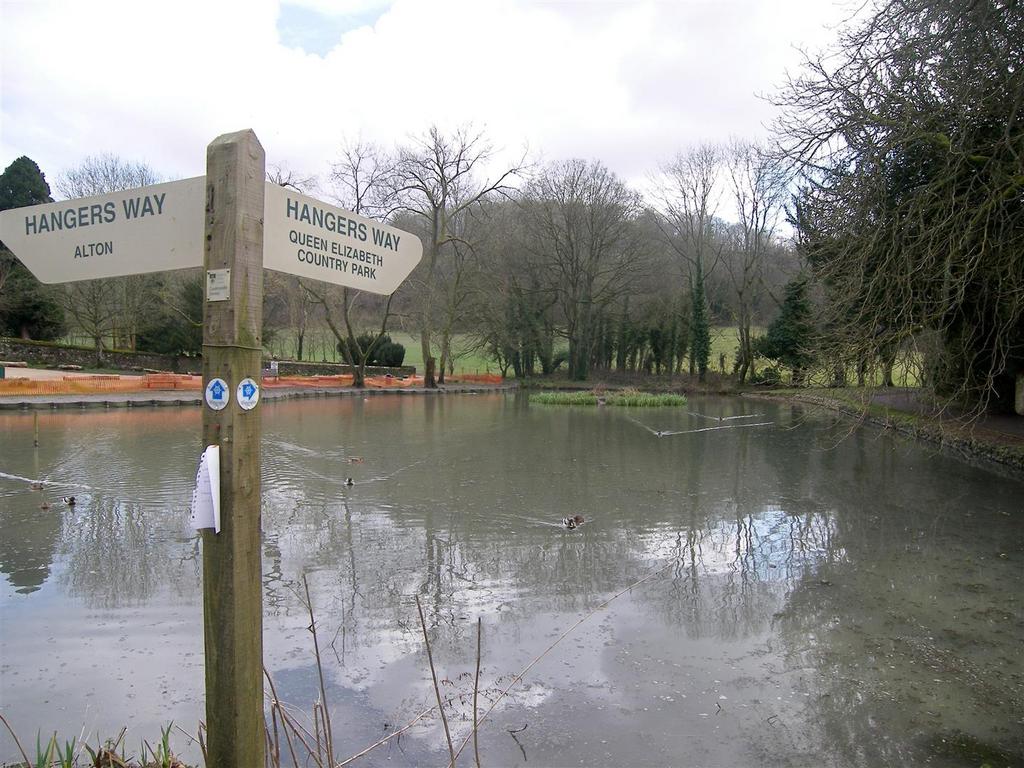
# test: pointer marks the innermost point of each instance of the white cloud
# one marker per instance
(341, 7)
(627, 83)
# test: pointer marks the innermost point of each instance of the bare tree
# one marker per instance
(288, 289)
(687, 191)
(511, 300)
(115, 306)
(363, 179)
(436, 181)
(581, 221)
(363, 183)
(287, 177)
(93, 306)
(757, 183)
(100, 174)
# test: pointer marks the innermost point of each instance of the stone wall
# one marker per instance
(51, 354)
(48, 353)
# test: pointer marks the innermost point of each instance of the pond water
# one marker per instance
(822, 595)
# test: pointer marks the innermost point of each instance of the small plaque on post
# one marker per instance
(218, 284)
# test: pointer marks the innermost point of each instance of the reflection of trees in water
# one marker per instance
(736, 555)
(100, 457)
(734, 552)
(118, 554)
(743, 518)
(29, 540)
(368, 565)
(731, 575)
(729, 578)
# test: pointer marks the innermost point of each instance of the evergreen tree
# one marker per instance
(21, 184)
(788, 339)
(176, 326)
(27, 307)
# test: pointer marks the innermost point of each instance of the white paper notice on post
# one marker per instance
(206, 494)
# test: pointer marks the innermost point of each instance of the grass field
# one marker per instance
(320, 345)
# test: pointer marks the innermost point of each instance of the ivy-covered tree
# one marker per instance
(27, 307)
(700, 329)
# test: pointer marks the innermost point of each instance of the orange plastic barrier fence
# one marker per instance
(98, 384)
(478, 378)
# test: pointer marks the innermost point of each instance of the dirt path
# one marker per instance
(1007, 426)
(49, 374)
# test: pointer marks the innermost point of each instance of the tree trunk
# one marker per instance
(579, 357)
(746, 351)
(888, 361)
(620, 353)
(447, 365)
(547, 356)
(428, 362)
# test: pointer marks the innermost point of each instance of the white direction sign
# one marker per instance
(306, 237)
(161, 227)
(149, 229)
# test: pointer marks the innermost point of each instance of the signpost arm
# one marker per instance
(232, 351)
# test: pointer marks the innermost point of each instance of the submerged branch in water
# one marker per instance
(437, 691)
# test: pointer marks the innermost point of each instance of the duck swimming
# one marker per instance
(69, 500)
(349, 482)
(573, 522)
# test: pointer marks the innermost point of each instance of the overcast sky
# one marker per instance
(628, 83)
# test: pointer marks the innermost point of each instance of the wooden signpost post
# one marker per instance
(233, 352)
(159, 228)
